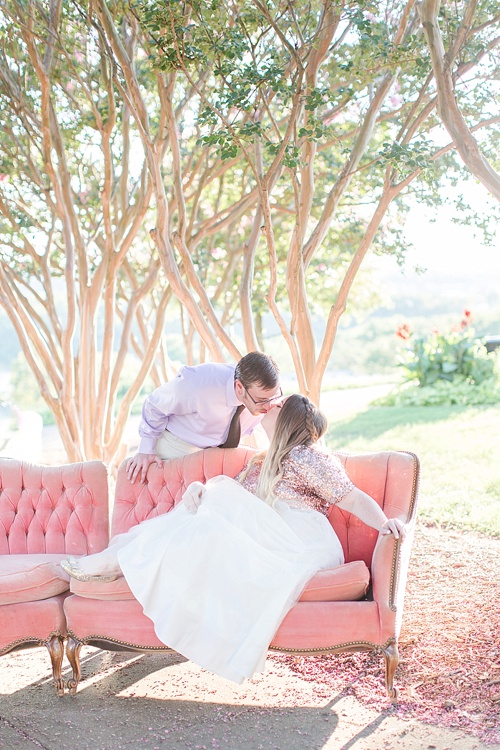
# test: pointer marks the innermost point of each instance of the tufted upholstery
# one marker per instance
(388, 477)
(312, 625)
(164, 486)
(52, 508)
(46, 513)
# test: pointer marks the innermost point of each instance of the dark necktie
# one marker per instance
(233, 436)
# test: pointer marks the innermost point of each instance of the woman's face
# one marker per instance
(270, 419)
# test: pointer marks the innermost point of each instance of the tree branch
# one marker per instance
(448, 108)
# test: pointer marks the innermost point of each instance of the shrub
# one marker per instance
(459, 391)
(24, 390)
(446, 356)
(445, 369)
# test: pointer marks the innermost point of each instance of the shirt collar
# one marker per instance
(231, 397)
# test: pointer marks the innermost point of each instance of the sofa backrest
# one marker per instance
(164, 487)
(53, 509)
(389, 477)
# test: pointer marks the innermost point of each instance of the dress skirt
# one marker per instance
(218, 583)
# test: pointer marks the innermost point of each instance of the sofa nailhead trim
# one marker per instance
(107, 639)
(369, 645)
(33, 639)
(396, 559)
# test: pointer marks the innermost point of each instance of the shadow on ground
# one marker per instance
(107, 713)
(163, 702)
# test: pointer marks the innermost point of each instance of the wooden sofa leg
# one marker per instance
(55, 648)
(73, 648)
(391, 655)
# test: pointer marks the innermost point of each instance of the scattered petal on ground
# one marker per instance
(449, 674)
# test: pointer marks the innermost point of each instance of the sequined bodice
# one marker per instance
(311, 478)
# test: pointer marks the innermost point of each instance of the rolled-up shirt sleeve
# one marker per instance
(165, 401)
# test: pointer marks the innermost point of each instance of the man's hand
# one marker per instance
(193, 496)
(138, 465)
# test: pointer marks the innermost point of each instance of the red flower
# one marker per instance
(467, 319)
(403, 331)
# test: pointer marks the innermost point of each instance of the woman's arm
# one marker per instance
(367, 510)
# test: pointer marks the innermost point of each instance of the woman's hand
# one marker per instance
(394, 526)
(193, 496)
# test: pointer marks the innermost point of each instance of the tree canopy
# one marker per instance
(233, 159)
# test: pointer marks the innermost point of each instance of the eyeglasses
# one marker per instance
(267, 400)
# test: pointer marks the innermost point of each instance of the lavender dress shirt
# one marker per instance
(196, 406)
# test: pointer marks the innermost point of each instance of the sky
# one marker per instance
(443, 245)
(452, 256)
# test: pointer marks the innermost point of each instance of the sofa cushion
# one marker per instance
(345, 583)
(28, 578)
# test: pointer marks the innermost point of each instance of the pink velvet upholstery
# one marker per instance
(346, 582)
(53, 508)
(312, 625)
(164, 487)
(26, 578)
(46, 513)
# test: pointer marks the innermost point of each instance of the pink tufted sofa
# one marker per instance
(356, 606)
(46, 514)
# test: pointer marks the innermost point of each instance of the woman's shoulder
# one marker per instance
(313, 453)
(321, 470)
(250, 472)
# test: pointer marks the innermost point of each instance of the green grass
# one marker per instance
(459, 452)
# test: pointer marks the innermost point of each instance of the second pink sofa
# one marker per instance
(46, 514)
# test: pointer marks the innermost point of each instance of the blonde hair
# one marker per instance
(299, 422)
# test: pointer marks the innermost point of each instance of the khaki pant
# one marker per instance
(170, 446)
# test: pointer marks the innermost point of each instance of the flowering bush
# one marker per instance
(456, 355)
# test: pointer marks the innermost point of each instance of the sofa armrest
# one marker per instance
(390, 563)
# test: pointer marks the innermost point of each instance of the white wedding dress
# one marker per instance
(218, 583)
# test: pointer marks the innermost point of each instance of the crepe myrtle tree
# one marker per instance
(303, 124)
(231, 159)
(445, 67)
(79, 275)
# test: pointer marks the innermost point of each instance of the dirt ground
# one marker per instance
(449, 682)
(148, 702)
(449, 679)
(449, 674)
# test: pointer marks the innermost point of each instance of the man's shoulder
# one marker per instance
(208, 373)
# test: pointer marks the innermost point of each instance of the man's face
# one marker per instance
(257, 400)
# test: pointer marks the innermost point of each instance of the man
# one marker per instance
(195, 410)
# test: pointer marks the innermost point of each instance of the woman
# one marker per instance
(218, 573)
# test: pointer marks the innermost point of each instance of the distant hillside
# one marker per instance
(366, 343)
